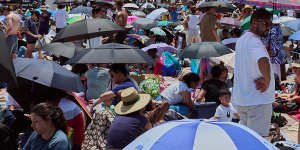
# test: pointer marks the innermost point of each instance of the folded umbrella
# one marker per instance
(158, 31)
(48, 73)
(67, 49)
(130, 5)
(204, 50)
(6, 66)
(144, 23)
(221, 6)
(111, 53)
(199, 134)
(81, 10)
(85, 29)
(156, 14)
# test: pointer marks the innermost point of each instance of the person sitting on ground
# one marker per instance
(178, 94)
(130, 121)
(210, 88)
(225, 111)
(50, 129)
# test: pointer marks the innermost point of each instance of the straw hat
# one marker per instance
(297, 65)
(247, 7)
(131, 101)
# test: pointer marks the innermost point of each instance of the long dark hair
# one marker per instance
(55, 113)
(189, 78)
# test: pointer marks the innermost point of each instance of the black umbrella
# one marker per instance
(144, 23)
(111, 53)
(221, 6)
(61, 49)
(7, 72)
(67, 1)
(48, 73)
(204, 50)
(85, 29)
(103, 2)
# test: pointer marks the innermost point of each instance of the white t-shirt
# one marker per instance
(70, 109)
(60, 16)
(229, 41)
(225, 113)
(290, 13)
(171, 93)
(194, 20)
(249, 49)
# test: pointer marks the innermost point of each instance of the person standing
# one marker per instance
(44, 21)
(12, 27)
(208, 26)
(254, 84)
(31, 31)
(192, 26)
(60, 17)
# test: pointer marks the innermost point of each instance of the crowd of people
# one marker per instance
(120, 110)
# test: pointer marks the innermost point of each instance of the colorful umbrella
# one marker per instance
(198, 134)
(278, 4)
(142, 38)
(74, 19)
(158, 31)
(130, 19)
(161, 47)
(164, 23)
(155, 14)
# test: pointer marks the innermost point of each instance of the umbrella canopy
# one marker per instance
(284, 19)
(204, 50)
(156, 14)
(81, 10)
(138, 14)
(230, 21)
(85, 29)
(200, 134)
(295, 36)
(147, 5)
(158, 31)
(278, 4)
(73, 19)
(161, 47)
(61, 49)
(48, 73)
(67, 1)
(6, 66)
(131, 5)
(144, 23)
(141, 38)
(294, 24)
(104, 2)
(221, 6)
(130, 19)
(111, 53)
(287, 31)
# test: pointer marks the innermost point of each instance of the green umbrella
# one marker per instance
(204, 50)
(158, 31)
(73, 19)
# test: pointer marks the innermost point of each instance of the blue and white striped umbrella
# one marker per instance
(198, 134)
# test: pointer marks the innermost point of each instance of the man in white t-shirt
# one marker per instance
(254, 85)
(60, 17)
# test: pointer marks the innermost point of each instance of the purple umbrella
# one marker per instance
(161, 47)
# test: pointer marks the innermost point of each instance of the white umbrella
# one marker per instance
(155, 14)
(131, 5)
(147, 5)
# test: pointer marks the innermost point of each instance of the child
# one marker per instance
(225, 111)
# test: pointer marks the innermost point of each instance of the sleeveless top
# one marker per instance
(193, 22)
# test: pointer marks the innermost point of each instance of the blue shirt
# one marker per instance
(97, 82)
(59, 141)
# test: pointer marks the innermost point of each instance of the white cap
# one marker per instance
(275, 19)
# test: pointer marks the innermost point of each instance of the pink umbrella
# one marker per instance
(130, 19)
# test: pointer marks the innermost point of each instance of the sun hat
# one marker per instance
(43, 7)
(275, 19)
(131, 101)
(247, 7)
(296, 65)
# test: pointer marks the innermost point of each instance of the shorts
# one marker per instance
(257, 117)
(12, 43)
(31, 41)
(43, 31)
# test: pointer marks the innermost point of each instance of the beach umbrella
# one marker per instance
(6, 66)
(130, 19)
(138, 14)
(221, 6)
(81, 10)
(111, 53)
(204, 50)
(230, 21)
(85, 29)
(295, 36)
(294, 24)
(158, 31)
(144, 23)
(278, 4)
(47, 73)
(141, 38)
(130, 5)
(161, 47)
(67, 49)
(156, 14)
(198, 134)
(147, 5)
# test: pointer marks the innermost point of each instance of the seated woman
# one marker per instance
(295, 96)
(130, 121)
(50, 129)
(178, 94)
(210, 88)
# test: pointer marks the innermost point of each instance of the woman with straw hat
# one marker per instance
(130, 121)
